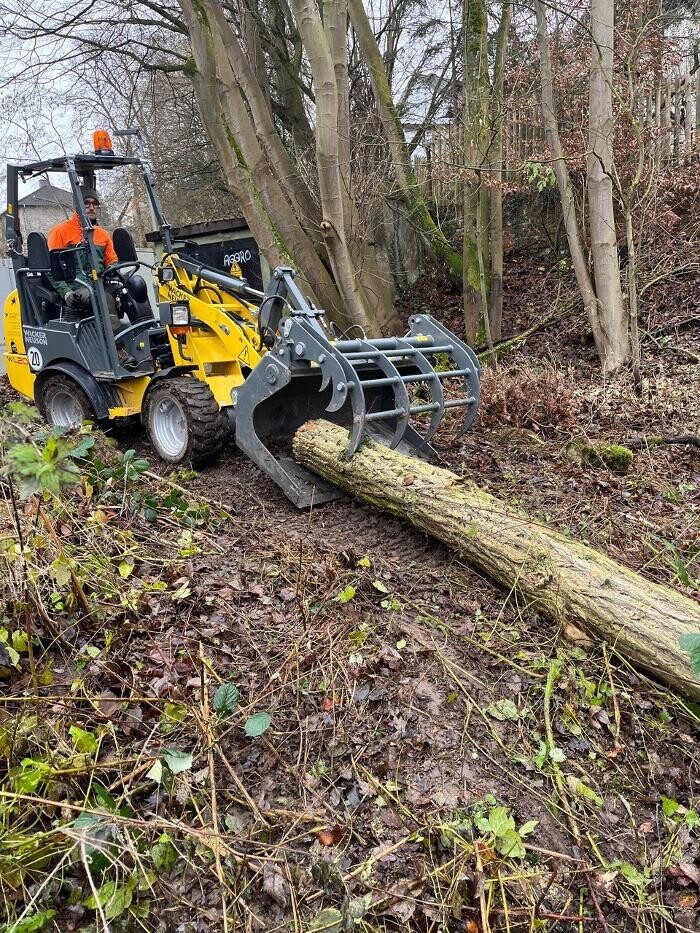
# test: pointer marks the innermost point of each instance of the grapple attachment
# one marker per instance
(394, 389)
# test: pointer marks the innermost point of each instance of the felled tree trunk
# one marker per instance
(561, 577)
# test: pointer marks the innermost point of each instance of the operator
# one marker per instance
(70, 233)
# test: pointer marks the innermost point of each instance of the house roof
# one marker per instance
(47, 196)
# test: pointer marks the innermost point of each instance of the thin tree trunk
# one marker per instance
(560, 577)
(496, 168)
(278, 158)
(407, 184)
(566, 191)
(613, 318)
(476, 105)
(333, 225)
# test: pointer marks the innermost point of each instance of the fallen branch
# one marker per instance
(505, 346)
(652, 440)
(562, 578)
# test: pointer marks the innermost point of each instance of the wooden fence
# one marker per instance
(670, 116)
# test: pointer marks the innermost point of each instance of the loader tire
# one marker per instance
(184, 422)
(63, 403)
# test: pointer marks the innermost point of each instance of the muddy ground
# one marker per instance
(410, 699)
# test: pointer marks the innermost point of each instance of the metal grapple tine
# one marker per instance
(437, 396)
(463, 356)
(402, 403)
(306, 343)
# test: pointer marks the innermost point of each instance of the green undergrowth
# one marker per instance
(93, 548)
(204, 724)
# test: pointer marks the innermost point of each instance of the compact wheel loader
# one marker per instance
(215, 356)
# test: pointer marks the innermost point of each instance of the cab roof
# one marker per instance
(83, 162)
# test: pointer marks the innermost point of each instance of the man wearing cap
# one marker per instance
(70, 233)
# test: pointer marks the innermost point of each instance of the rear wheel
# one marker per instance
(183, 421)
(64, 404)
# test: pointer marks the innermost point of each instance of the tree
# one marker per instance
(614, 348)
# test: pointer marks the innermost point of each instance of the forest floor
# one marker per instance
(437, 757)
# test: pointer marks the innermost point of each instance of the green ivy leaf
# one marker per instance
(633, 875)
(381, 587)
(84, 741)
(347, 594)
(31, 924)
(256, 724)
(164, 854)
(177, 760)
(501, 821)
(329, 920)
(502, 710)
(690, 643)
(669, 806)
(226, 699)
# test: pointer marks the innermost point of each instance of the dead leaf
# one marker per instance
(330, 837)
(390, 819)
(576, 635)
(275, 884)
(690, 871)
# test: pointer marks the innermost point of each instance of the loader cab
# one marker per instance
(42, 333)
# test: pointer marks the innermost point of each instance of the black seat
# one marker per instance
(38, 252)
(45, 300)
(124, 245)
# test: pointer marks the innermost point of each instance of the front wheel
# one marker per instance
(183, 421)
(64, 404)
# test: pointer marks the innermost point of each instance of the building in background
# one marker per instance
(43, 208)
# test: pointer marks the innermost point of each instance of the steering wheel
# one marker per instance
(118, 268)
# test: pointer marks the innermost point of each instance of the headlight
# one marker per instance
(166, 274)
(180, 315)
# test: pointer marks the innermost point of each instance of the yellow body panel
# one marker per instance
(222, 341)
(132, 392)
(18, 372)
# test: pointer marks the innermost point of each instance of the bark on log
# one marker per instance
(563, 578)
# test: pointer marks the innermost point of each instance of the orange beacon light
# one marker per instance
(102, 143)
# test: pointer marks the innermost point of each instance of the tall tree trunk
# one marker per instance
(278, 158)
(558, 576)
(566, 191)
(263, 201)
(406, 182)
(333, 225)
(496, 168)
(613, 317)
(375, 276)
(476, 104)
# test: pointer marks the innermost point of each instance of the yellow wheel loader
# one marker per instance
(215, 355)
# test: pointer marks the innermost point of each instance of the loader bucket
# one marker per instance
(391, 389)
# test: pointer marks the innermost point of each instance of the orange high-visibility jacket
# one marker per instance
(70, 233)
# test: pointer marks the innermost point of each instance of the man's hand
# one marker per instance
(78, 297)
